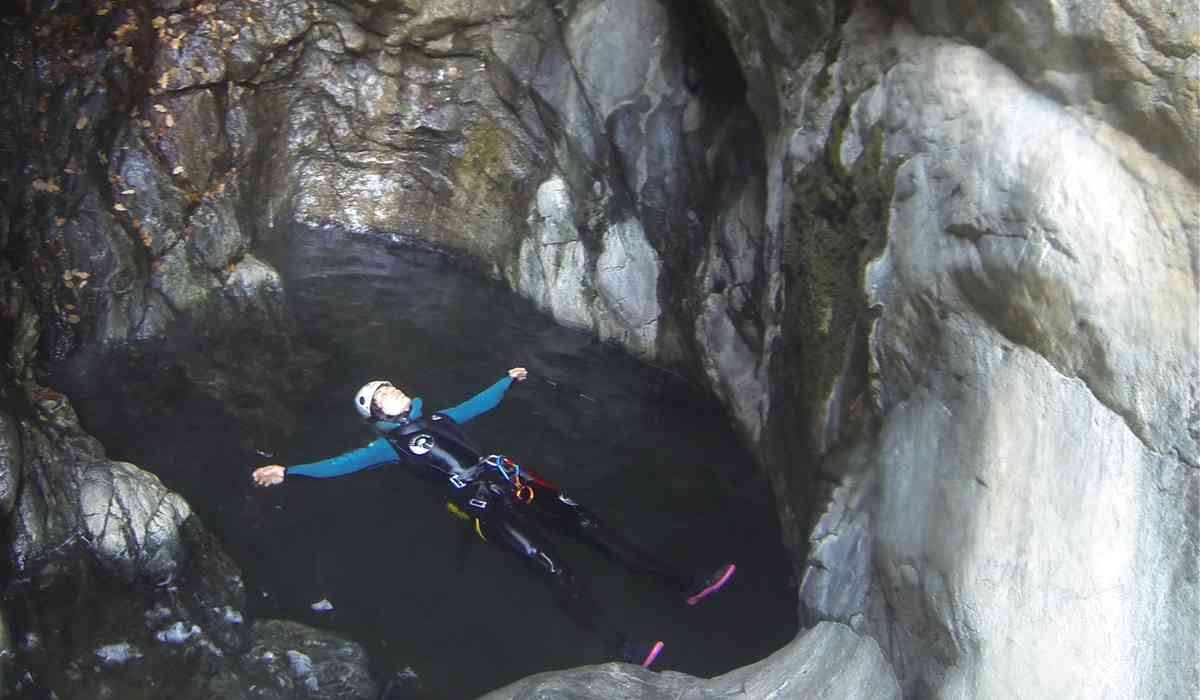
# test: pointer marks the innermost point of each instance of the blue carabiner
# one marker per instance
(500, 467)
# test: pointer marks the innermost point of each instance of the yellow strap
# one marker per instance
(456, 511)
(479, 531)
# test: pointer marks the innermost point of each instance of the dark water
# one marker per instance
(646, 451)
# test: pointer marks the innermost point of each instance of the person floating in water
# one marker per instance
(505, 504)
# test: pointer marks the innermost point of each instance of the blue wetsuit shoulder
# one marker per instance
(380, 451)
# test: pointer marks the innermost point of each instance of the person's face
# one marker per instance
(391, 401)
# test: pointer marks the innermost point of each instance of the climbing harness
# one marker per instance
(511, 471)
(522, 489)
(460, 513)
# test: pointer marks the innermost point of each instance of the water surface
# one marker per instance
(641, 447)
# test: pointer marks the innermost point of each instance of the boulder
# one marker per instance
(827, 661)
(131, 521)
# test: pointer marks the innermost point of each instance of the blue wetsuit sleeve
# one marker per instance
(376, 453)
(480, 403)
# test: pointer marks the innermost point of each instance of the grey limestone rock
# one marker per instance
(1131, 64)
(71, 494)
(827, 661)
(130, 210)
(553, 261)
(838, 573)
(1035, 354)
(1026, 342)
(627, 282)
(732, 335)
(131, 521)
(8, 650)
(615, 72)
(11, 458)
(613, 293)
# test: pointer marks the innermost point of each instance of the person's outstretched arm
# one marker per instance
(376, 453)
(485, 400)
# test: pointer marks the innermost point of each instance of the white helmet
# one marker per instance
(362, 400)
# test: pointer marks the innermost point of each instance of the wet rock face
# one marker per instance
(123, 218)
(1087, 400)
(1026, 305)
(131, 520)
(577, 165)
(1128, 64)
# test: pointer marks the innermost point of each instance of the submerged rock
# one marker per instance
(177, 633)
(118, 654)
(291, 660)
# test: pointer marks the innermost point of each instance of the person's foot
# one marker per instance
(641, 654)
(707, 585)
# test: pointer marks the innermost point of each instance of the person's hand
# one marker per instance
(518, 373)
(269, 475)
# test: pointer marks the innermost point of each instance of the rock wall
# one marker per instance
(123, 214)
(1027, 303)
(1131, 65)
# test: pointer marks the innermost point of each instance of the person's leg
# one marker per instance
(502, 526)
(575, 520)
(565, 515)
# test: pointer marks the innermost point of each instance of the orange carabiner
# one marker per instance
(525, 493)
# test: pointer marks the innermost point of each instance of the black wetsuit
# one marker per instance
(512, 508)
